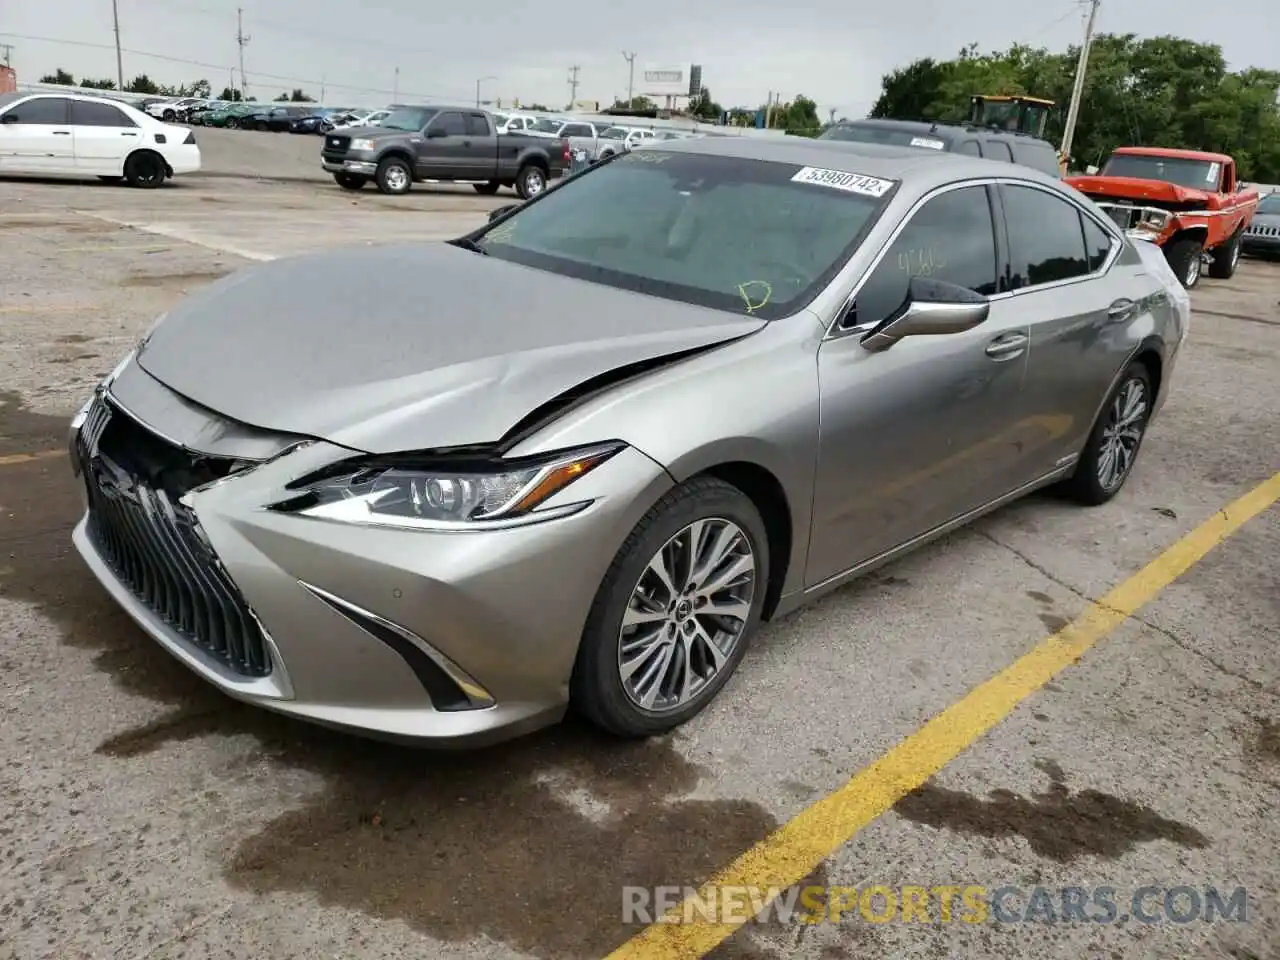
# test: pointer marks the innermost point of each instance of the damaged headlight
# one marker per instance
(1152, 222)
(468, 496)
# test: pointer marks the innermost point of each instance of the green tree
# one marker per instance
(704, 107)
(59, 76)
(229, 93)
(89, 84)
(798, 117)
(283, 98)
(142, 84)
(297, 96)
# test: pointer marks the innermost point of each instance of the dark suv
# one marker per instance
(955, 138)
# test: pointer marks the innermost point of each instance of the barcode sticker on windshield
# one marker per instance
(929, 142)
(841, 180)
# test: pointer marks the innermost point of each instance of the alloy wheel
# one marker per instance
(686, 614)
(1193, 271)
(1122, 434)
(397, 178)
(533, 183)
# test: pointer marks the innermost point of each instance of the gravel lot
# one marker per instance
(148, 816)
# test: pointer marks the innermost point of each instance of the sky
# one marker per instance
(833, 51)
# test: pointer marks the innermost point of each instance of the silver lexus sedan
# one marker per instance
(575, 460)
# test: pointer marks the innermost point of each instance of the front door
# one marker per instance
(925, 431)
(35, 137)
(103, 137)
(444, 153)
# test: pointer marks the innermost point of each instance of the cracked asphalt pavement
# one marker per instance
(146, 815)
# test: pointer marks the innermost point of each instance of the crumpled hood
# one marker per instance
(391, 349)
(1136, 188)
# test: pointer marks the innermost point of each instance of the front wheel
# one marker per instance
(487, 189)
(350, 181)
(394, 176)
(1226, 258)
(1113, 446)
(673, 616)
(530, 181)
(1183, 257)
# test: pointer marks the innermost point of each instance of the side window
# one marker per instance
(1045, 240)
(999, 150)
(1038, 156)
(950, 238)
(1097, 243)
(477, 125)
(969, 147)
(451, 124)
(85, 114)
(45, 111)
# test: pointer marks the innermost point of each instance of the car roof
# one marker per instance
(939, 129)
(1170, 153)
(873, 159)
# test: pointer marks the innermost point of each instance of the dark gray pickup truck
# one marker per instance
(442, 143)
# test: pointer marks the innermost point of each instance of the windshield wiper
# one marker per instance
(466, 243)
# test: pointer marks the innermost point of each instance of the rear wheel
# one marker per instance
(488, 189)
(1225, 259)
(144, 169)
(673, 616)
(1113, 445)
(1184, 259)
(394, 176)
(350, 181)
(168, 115)
(530, 181)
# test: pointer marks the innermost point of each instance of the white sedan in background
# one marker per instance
(79, 136)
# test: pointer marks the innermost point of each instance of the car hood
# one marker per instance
(1266, 219)
(392, 349)
(1136, 188)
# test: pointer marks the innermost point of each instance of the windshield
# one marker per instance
(893, 136)
(614, 133)
(1192, 174)
(547, 126)
(1270, 203)
(405, 118)
(735, 234)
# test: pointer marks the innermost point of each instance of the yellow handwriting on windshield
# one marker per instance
(642, 156)
(762, 290)
(501, 234)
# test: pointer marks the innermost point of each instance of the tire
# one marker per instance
(111, 179)
(597, 688)
(1183, 257)
(1226, 258)
(394, 176)
(350, 181)
(1089, 485)
(531, 181)
(261, 125)
(487, 189)
(144, 169)
(168, 116)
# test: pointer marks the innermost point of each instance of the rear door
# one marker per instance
(103, 137)
(481, 143)
(35, 137)
(1083, 303)
(445, 152)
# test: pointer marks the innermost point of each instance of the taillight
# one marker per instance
(566, 153)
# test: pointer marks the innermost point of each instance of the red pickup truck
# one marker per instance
(1187, 201)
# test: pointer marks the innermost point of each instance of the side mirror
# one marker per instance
(502, 211)
(10, 118)
(932, 307)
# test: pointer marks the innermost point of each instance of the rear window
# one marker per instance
(1038, 155)
(893, 136)
(547, 126)
(734, 234)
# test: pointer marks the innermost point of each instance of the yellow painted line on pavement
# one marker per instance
(791, 853)
(12, 459)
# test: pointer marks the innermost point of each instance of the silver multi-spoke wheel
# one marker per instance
(686, 614)
(1193, 272)
(1122, 433)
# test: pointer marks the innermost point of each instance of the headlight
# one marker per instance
(1153, 221)
(472, 496)
(361, 144)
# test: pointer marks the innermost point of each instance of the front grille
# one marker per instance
(154, 544)
(1259, 230)
(336, 144)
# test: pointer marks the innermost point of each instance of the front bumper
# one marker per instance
(1269, 245)
(363, 167)
(505, 609)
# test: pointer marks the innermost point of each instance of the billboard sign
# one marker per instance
(663, 80)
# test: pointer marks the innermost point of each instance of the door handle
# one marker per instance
(126, 133)
(62, 133)
(466, 143)
(1007, 346)
(1121, 310)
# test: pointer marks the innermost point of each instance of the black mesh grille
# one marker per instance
(153, 543)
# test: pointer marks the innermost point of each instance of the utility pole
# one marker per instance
(1077, 91)
(573, 86)
(322, 88)
(631, 75)
(241, 40)
(480, 80)
(395, 89)
(8, 51)
(115, 20)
